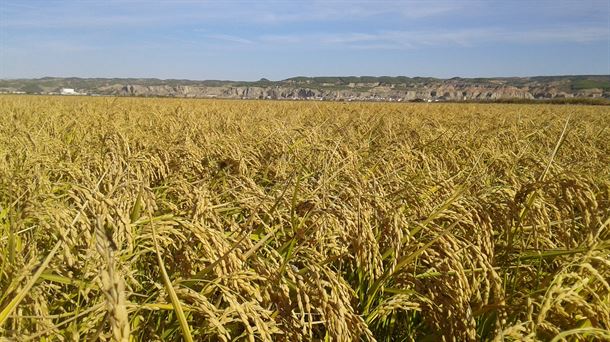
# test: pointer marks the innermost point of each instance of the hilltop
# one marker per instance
(372, 88)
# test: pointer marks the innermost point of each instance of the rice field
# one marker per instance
(134, 219)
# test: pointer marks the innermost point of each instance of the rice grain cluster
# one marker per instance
(131, 219)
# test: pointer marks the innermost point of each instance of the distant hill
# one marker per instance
(344, 88)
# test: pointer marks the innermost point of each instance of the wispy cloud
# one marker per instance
(337, 11)
(81, 21)
(460, 37)
(289, 39)
(425, 10)
(230, 38)
(296, 34)
(568, 35)
(93, 14)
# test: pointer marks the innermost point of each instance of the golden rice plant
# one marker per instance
(179, 219)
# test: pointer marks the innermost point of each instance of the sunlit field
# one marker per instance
(172, 219)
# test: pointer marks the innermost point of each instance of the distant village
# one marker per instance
(62, 91)
(69, 91)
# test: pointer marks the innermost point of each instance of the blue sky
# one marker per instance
(247, 40)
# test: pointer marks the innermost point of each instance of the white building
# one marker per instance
(67, 91)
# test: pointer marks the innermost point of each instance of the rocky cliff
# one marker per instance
(443, 92)
(338, 88)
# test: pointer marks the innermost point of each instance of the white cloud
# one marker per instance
(461, 37)
(427, 9)
(94, 14)
(230, 38)
(289, 39)
(567, 34)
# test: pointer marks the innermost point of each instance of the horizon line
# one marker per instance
(298, 76)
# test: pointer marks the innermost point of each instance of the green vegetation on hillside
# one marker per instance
(590, 84)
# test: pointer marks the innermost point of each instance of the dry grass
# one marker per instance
(159, 219)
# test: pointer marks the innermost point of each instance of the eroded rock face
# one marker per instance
(349, 88)
(443, 92)
(384, 88)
